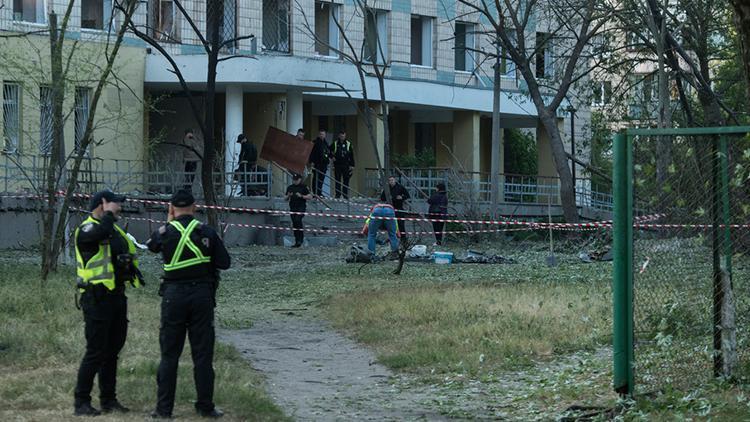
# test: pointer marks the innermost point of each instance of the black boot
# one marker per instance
(85, 409)
(213, 413)
(109, 406)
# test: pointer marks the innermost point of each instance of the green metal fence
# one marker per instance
(680, 284)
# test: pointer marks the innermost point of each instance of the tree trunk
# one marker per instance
(567, 193)
(49, 257)
(742, 21)
(215, 15)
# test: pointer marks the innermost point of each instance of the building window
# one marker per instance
(82, 104)
(326, 30)
(421, 40)
(424, 138)
(164, 21)
(29, 11)
(226, 13)
(11, 116)
(45, 120)
(95, 13)
(602, 93)
(376, 36)
(544, 57)
(464, 48)
(276, 25)
(508, 66)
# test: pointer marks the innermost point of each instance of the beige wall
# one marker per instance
(118, 126)
(546, 163)
(466, 145)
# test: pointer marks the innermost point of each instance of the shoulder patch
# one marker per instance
(162, 229)
(87, 227)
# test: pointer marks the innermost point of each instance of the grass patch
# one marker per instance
(475, 328)
(41, 345)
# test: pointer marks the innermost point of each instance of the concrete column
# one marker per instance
(295, 112)
(466, 145)
(545, 161)
(232, 127)
(365, 154)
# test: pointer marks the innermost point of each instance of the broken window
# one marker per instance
(164, 20)
(376, 36)
(421, 40)
(326, 30)
(45, 120)
(276, 25)
(96, 14)
(602, 93)
(225, 12)
(11, 116)
(544, 56)
(29, 11)
(82, 104)
(464, 46)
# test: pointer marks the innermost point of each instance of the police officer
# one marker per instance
(193, 253)
(106, 262)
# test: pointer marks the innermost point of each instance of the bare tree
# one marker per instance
(566, 26)
(214, 43)
(64, 57)
(369, 60)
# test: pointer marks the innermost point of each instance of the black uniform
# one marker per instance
(343, 157)
(105, 315)
(248, 160)
(319, 158)
(188, 300)
(297, 204)
(398, 205)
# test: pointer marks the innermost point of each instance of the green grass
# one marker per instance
(475, 328)
(41, 344)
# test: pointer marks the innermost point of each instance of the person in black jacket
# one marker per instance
(320, 156)
(247, 162)
(193, 255)
(297, 194)
(438, 208)
(106, 263)
(399, 195)
(343, 164)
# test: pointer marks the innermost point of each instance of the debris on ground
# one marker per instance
(601, 254)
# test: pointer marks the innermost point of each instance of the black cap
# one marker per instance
(296, 176)
(182, 198)
(110, 196)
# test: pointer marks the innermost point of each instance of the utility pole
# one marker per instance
(496, 152)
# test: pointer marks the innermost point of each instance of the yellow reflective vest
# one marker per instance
(99, 268)
(177, 262)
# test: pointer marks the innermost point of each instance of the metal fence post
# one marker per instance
(622, 279)
(725, 340)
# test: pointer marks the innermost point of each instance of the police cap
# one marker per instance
(110, 196)
(182, 198)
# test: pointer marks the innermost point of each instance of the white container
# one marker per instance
(417, 251)
(443, 257)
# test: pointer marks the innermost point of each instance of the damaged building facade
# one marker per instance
(438, 85)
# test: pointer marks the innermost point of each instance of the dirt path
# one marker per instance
(317, 374)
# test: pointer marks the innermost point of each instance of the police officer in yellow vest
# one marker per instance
(193, 255)
(106, 263)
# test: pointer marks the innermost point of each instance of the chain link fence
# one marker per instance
(690, 287)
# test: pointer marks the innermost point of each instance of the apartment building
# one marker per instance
(438, 86)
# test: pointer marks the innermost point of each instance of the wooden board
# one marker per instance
(286, 150)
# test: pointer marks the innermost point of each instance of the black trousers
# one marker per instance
(342, 181)
(319, 177)
(106, 322)
(437, 227)
(299, 235)
(190, 168)
(186, 308)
